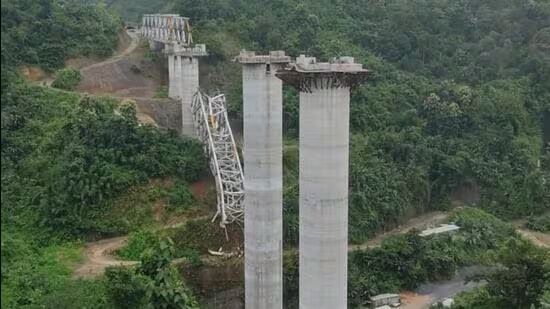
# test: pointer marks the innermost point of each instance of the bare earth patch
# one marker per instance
(98, 255)
(423, 221)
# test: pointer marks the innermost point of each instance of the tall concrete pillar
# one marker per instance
(263, 170)
(172, 84)
(324, 149)
(188, 86)
(183, 79)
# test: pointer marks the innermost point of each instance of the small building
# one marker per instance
(387, 299)
(443, 228)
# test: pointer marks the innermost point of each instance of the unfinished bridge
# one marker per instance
(203, 116)
(324, 96)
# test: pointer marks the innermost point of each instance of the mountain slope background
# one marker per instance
(457, 112)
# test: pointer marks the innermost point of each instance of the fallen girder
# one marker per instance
(213, 129)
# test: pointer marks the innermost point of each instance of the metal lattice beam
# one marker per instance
(166, 28)
(213, 129)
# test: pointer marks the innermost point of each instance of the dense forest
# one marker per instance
(456, 112)
(458, 100)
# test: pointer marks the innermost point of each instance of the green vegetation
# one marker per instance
(161, 92)
(456, 98)
(539, 223)
(405, 261)
(200, 235)
(34, 274)
(138, 242)
(180, 197)
(76, 167)
(67, 79)
(70, 156)
(154, 284)
(46, 33)
(520, 282)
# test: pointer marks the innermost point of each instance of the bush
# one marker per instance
(481, 230)
(539, 223)
(138, 242)
(180, 197)
(520, 282)
(78, 294)
(167, 290)
(67, 79)
(154, 284)
(39, 277)
(126, 288)
(161, 92)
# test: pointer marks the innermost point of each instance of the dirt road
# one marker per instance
(538, 238)
(421, 222)
(98, 255)
(134, 43)
(127, 74)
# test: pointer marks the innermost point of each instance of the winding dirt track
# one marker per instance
(98, 256)
(134, 43)
(428, 219)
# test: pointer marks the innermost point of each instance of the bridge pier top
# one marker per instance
(196, 50)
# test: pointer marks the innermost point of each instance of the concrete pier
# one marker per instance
(263, 170)
(183, 79)
(172, 84)
(324, 150)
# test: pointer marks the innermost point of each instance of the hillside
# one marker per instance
(455, 110)
(454, 123)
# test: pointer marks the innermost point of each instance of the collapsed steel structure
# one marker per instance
(213, 129)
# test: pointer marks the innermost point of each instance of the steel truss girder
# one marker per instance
(213, 129)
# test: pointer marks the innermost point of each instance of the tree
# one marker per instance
(166, 290)
(520, 283)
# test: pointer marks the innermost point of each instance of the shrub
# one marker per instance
(167, 290)
(67, 79)
(78, 294)
(180, 197)
(138, 242)
(539, 223)
(126, 288)
(480, 229)
(161, 92)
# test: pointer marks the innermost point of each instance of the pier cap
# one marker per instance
(197, 50)
(306, 73)
(276, 56)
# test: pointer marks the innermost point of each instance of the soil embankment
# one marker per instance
(127, 74)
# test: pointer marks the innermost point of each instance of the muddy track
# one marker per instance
(423, 221)
(99, 255)
(134, 43)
